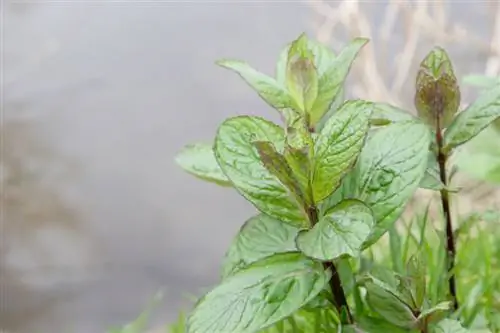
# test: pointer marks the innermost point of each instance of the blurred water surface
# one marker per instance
(98, 96)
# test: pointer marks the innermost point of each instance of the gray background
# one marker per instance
(97, 97)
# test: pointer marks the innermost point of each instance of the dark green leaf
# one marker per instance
(473, 119)
(278, 166)
(437, 97)
(260, 237)
(341, 232)
(389, 170)
(267, 87)
(338, 146)
(198, 159)
(331, 81)
(260, 295)
(240, 161)
(301, 76)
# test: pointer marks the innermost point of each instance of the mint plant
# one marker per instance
(327, 184)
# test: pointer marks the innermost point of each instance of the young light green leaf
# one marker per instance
(473, 119)
(240, 162)
(199, 160)
(449, 326)
(260, 295)
(338, 145)
(389, 306)
(301, 75)
(437, 97)
(331, 81)
(323, 59)
(261, 236)
(341, 232)
(279, 167)
(389, 170)
(272, 92)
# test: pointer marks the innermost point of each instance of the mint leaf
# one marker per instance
(338, 146)
(437, 97)
(435, 313)
(473, 119)
(331, 81)
(199, 160)
(389, 170)
(278, 166)
(301, 75)
(306, 320)
(449, 326)
(432, 179)
(272, 92)
(341, 232)
(324, 57)
(388, 305)
(389, 113)
(261, 236)
(377, 325)
(260, 295)
(481, 81)
(240, 162)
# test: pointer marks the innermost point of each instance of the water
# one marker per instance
(108, 92)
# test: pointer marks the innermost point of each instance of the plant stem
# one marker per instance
(445, 202)
(339, 297)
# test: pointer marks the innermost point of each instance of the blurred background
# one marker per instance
(99, 96)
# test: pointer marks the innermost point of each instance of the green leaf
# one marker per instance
(240, 161)
(481, 81)
(435, 313)
(437, 97)
(331, 81)
(299, 163)
(260, 295)
(278, 166)
(272, 92)
(449, 326)
(261, 236)
(341, 232)
(338, 146)
(306, 320)
(389, 113)
(388, 305)
(432, 179)
(473, 119)
(389, 170)
(416, 273)
(301, 76)
(377, 325)
(480, 157)
(198, 159)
